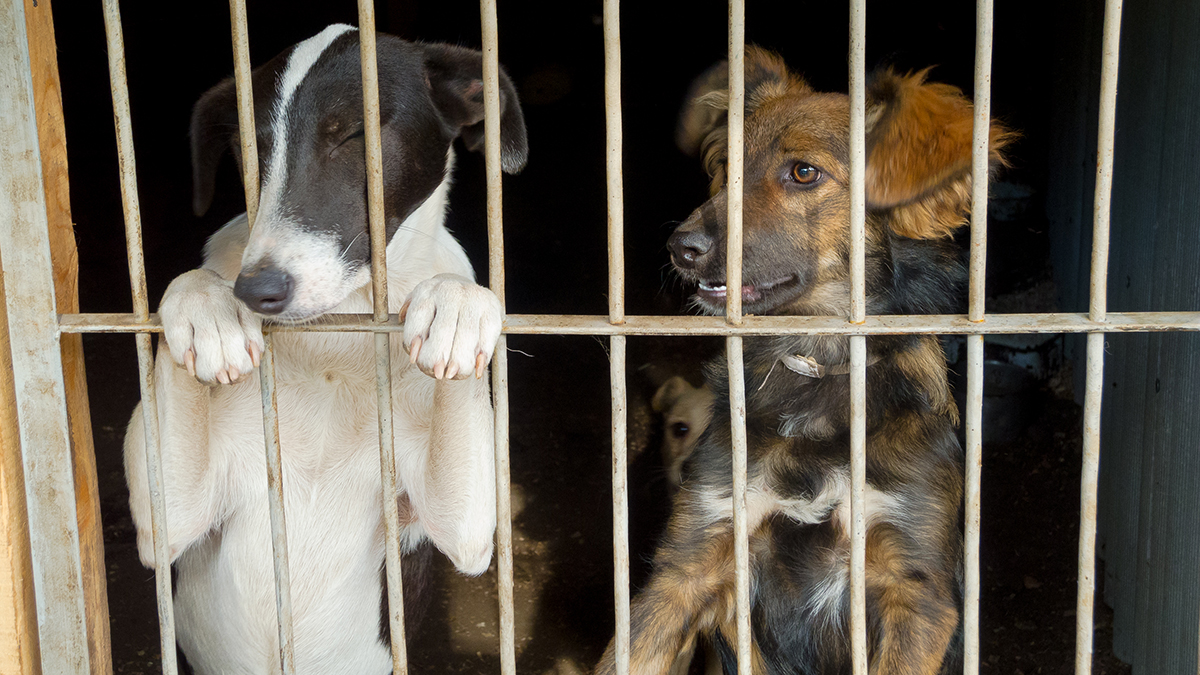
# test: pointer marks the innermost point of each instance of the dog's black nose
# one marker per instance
(266, 290)
(688, 248)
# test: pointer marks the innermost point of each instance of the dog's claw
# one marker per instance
(222, 377)
(480, 365)
(255, 353)
(439, 370)
(234, 374)
(414, 350)
(189, 360)
(403, 311)
(452, 371)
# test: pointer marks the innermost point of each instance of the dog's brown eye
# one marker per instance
(679, 429)
(805, 174)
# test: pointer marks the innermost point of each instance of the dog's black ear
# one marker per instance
(919, 139)
(214, 126)
(702, 128)
(455, 76)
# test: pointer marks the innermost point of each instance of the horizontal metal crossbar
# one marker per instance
(581, 324)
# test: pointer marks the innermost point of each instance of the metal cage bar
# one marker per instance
(858, 343)
(141, 311)
(495, 218)
(266, 372)
(377, 224)
(734, 174)
(616, 315)
(973, 452)
(1094, 381)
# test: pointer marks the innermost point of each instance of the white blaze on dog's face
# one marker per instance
(309, 247)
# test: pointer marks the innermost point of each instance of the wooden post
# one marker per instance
(18, 621)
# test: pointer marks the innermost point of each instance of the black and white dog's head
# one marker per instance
(309, 248)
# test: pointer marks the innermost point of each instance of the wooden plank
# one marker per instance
(18, 612)
(52, 140)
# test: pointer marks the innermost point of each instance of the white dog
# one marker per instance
(308, 255)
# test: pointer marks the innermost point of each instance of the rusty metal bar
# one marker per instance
(492, 168)
(45, 442)
(1098, 310)
(613, 140)
(283, 583)
(734, 163)
(620, 498)
(741, 534)
(978, 264)
(141, 311)
(245, 106)
(582, 324)
(377, 224)
(248, 137)
(858, 343)
(734, 174)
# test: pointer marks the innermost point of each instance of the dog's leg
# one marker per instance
(690, 590)
(914, 607)
(451, 326)
(191, 488)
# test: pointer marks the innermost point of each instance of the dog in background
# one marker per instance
(308, 256)
(686, 411)
(796, 211)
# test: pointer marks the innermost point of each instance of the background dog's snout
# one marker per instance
(688, 248)
(266, 290)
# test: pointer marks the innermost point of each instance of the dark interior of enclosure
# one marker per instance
(555, 220)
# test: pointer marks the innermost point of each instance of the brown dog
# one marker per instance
(797, 202)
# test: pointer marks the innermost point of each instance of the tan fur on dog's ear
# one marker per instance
(919, 153)
(702, 123)
(669, 393)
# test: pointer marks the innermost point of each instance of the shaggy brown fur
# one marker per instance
(796, 229)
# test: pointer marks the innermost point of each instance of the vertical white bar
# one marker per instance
(620, 498)
(491, 111)
(733, 315)
(1095, 345)
(266, 372)
(613, 140)
(383, 359)
(741, 537)
(734, 165)
(978, 262)
(616, 315)
(858, 343)
(37, 364)
(137, 276)
(245, 106)
(283, 584)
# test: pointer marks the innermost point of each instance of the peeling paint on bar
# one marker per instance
(141, 312)
(283, 584)
(1094, 383)
(44, 437)
(492, 168)
(973, 451)
(582, 324)
(858, 343)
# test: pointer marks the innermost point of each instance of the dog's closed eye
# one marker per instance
(357, 133)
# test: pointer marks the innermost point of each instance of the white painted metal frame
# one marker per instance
(41, 398)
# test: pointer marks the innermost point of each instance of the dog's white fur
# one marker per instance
(213, 448)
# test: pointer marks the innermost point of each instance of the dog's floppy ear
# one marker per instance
(919, 139)
(455, 76)
(669, 393)
(214, 126)
(702, 124)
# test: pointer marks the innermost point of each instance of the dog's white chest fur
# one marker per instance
(333, 501)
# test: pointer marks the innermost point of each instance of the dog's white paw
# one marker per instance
(208, 330)
(451, 326)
